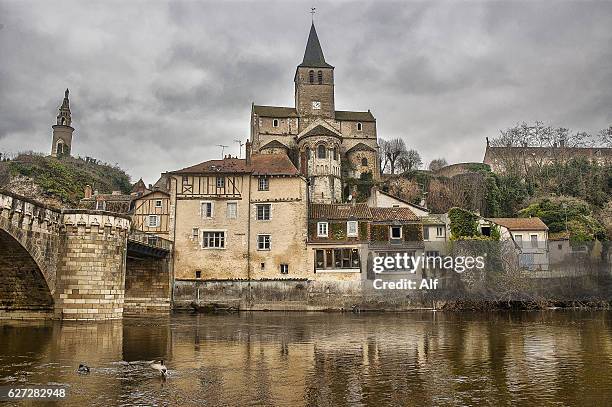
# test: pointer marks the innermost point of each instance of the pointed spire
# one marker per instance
(313, 56)
(64, 117)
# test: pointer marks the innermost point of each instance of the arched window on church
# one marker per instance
(311, 76)
(364, 162)
(320, 77)
(321, 151)
(308, 153)
(63, 121)
(59, 150)
(335, 154)
(359, 127)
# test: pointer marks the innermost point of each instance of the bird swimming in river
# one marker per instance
(83, 369)
(161, 367)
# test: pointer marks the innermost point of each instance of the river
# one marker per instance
(544, 358)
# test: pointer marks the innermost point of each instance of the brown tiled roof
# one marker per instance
(354, 116)
(390, 214)
(274, 111)
(261, 164)
(109, 197)
(340, 211)
(520, 223)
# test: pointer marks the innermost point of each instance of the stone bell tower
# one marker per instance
(62, 130)
(314, 84)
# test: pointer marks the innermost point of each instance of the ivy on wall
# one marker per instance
(379, 233)
(412, 233)
(462, 223)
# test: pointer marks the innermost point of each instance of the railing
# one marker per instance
(150, 240)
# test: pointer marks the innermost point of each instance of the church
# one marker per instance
(325, 144)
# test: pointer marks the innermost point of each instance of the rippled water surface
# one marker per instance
(551, 358)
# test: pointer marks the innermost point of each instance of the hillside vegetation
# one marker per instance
(60, 182)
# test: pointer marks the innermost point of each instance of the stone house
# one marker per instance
(338, 237)
(239, 219)
(325, 144)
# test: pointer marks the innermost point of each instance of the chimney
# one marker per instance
(96, 192)
(247, 152)
(88, 191)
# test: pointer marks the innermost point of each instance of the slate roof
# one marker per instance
(274, 144)
(320, 131)
(313, 56)
(360, 147)
(520, 223)
(432, 220)
(393, 214)
(346, 115)
(340, 211)
(261, 164)
(274, 111)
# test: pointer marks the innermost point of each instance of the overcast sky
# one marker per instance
(155, 86)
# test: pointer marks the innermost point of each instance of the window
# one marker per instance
(320, 77)
(213, 240)
(152, 240)
(311, 76)
(232, 210)
(153, 221)
(351, 228)
(263, 212)
(316, 105)
(364, 162)
(322, 229)
(396, 232)
(264, 184)
(425, 232)
(262, 265)
(185, 180)
(207, 209)
(440, 231)
(359, 127)
(519, 240)
(195, 233)
(274, 122)
(263, 242)
(308, 153)
(337, 259)
(158, 203)
(485, 230)
(100, 205)
(534, 241)
(321, 151)
(220, 182)
(198, 274)
(284, 269)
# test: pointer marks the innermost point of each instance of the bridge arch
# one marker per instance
(24, 285)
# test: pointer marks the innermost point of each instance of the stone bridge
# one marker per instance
(77, 264)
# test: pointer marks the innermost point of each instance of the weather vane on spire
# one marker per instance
(313, 10)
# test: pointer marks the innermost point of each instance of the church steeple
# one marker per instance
(314, 83)
(62, 130)
(313, 56)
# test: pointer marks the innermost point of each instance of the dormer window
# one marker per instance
(359, 126)
(311, 76)
(275, 123)
(320, 77)
(364, 162)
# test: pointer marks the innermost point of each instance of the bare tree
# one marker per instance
(410, 160)
(393, 150)
(437, 163)
(383, 158)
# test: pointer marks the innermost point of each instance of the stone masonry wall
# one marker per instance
(147, 285)
(91, 270)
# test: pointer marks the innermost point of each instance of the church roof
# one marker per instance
(274, 144)
(355, 116)
(274, 111)
(313, 56)
(360, 147)
(319, 130)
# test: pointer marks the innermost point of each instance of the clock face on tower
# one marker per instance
(316, 105)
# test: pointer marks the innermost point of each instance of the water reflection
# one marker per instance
(413, 359)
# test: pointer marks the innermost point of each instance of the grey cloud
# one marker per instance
(158, 85)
